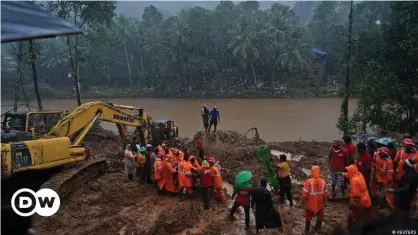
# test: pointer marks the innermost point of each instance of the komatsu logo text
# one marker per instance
(122, 118)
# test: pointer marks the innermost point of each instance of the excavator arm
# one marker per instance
(86, 114)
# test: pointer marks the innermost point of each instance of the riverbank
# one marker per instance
(103, 92)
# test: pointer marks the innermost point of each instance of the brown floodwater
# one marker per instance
(276, 119)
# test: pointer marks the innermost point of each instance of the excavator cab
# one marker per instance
(163, 130)
(21, 126)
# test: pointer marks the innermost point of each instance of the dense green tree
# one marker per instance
(237, 50)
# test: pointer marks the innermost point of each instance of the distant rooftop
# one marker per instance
(316, 50)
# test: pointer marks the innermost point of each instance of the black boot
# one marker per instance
(333, 191)
(307, 226)
(343, 191)
(318, 226)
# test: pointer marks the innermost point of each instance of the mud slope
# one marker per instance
(108, 205)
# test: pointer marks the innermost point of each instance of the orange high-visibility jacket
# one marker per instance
(185, 179)
(178, 158)
(217, 177)
(383, 170)
(168, 178)
(196, 165)
(359, 195)
(400, 158)
(315, 191)
(158, 169)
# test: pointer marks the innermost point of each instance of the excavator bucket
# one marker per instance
(267, 165)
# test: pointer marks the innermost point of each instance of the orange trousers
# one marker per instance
(221, 193)
(384, 190)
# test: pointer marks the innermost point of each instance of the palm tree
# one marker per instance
(54, 54)
(293, 52)
(246, 47)
(280, 20)
(124, 26)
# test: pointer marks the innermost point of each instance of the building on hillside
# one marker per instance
(318, 66)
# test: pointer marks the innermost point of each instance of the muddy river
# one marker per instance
(276, 119)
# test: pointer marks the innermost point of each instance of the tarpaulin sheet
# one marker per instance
(25, 20)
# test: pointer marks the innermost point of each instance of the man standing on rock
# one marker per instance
(214, 119)
(205, 117)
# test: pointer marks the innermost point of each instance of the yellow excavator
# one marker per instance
(62, 152)
(63, 143)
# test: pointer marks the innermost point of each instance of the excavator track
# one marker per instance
(69, 179)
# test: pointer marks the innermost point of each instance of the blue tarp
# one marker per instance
(316, 50)
(25, 20)
(367, 137)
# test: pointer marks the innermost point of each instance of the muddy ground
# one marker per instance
(108, 205)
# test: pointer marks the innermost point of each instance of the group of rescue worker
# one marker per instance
(174, 171)
(390, 170)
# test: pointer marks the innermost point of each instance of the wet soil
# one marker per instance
(109, 205)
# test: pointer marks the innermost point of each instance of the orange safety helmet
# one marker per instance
(175, 151)
(408, 143)
(384, 151)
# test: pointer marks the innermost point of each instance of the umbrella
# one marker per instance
(24, 20)
(386, 141)
(368, 137)
(243, 176)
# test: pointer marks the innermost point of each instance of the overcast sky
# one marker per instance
(136, 8)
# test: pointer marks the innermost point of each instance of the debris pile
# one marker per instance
(108, 205)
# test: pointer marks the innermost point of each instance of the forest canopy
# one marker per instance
(233, 50)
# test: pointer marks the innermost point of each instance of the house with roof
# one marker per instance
(318, 65)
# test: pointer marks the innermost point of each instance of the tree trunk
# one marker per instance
(18, 76)
(76, 77)
(252, 68)
(142, 64)
(347, 75)
(129, 66)
(35, 78)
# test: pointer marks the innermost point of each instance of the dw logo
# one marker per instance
(25, 202)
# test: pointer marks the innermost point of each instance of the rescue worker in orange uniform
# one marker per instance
(195, 164)
(217, 185)
(168, 152)
(408, 151)
(360, 202)
(158, 169)
(185, 175)
(168, 175)
(178, 156)
(315, 191)
(195, 170)
(382, 171)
